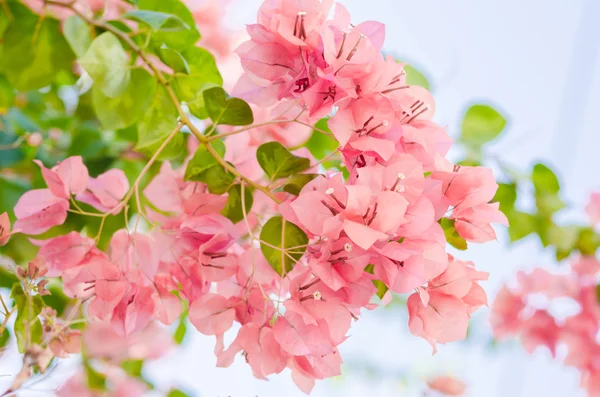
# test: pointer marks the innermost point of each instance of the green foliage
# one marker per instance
(321, 145)
(133, 368)
(28, 327)
(157, 21)
(283, 235)
(33, 51)
(78, 35)
(218, 179)
(95, 379)
(382, 289)
(129, 107)
(202, 74)
(547, 188)
(416, 77)
(177, 393)
(278, 162)
(156, 124)
(522, 224)
(506, 195)
(107, 64)
(452, 236)
(57, 299)
(202, 161)
(174, 60)
(179, 39)
(224, 110)
(7, 278)
(481, 124)
(295, 183)
(233, 209)
(4, 338)
(180, 331)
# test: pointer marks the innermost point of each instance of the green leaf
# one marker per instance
(481, 124)
(107, 64)
(506, 195)
(203, 72)
(157, 123)
(133, 368)
(278, 162)
(28, 326)
(130, 106)
(33, 52)
(179, 40)
(284, 235)
(416, 77)
(548, 204)
(381, 288)
(452, 236)
(177, 393)
(380, 285)
(218, 179)
(95, 380)
(78, 35)
(57, 299)
(202, 161)
(157, 20)
(233, 208)
(4, 338)
(544, 180)
(180, 331)
(7, 278)
(7, 95)
(322, 145)
(174, 60)
(564, 240)
(223, 110)
(588, 241)
(547, 188)
(295, 183)
(522, 224)
(196, 105)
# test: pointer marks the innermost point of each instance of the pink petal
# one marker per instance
(362, 235)
(4, 229)
(74, 174)
(53, 181)
(212, 314)
(298, 338)
(39, 210)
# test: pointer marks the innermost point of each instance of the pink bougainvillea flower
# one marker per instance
(469, 191)
(68, 177)
(4, 229)
(208, 15)
(444, 320)
(473, 224)
(447, 385)
(296, 21)
(106, 191)
(134, 251)
(592, 209)
(150, 343)
(39, 210)
(64, 252)
(298, 338)
(120, 385)
(212, 314)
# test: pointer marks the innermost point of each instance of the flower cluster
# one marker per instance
(519, 310)
(375, 231)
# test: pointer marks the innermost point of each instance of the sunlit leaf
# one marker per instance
(283, 235)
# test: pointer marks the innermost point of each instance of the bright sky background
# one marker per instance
(537, 60)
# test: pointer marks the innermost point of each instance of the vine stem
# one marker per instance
(183, 117)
